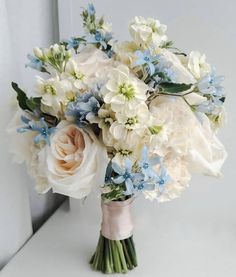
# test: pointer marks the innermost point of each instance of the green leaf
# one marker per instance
(21, 96)
(174, 88)
(33, 103)
(168, 44)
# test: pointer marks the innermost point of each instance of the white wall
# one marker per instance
(23, 25)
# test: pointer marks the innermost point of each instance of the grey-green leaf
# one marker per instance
(174, 88)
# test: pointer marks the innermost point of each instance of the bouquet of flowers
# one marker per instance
(131, 118)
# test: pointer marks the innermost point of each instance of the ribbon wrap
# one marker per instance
(117, 223)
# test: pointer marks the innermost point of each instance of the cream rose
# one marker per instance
(76, 161)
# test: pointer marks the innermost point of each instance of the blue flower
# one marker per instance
(211, 106)
(146, 165)
(35, 63)
(85, 108)
(211, 85)
(125, 175)
(163, 178)
(40, 127)
(91, 10)
(99, 38)
(73, 43)
(145, 58)
(163, 67)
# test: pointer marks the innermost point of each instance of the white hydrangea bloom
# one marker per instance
(202, 149)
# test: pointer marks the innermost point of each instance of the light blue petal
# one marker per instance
(119, 180)
(118, 169)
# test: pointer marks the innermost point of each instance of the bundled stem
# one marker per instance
(114, 256)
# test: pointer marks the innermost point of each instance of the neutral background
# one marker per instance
(205, 214)
(23, 25)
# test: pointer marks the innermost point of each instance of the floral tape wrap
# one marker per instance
(117, 222)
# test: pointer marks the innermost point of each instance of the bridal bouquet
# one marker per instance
(131, 118)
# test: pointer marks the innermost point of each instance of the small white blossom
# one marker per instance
(148, 32)
(123, 90)
(53, 92)
(197, 65)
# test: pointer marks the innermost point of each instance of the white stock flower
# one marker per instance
(148, 31)
(125, 51)
(130, 121)
(129, 149)
(197, 65)
(53, 92)
(76, 161)
(123, 90)
(75, 75)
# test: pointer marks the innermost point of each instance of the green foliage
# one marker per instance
(21, 96)
(31, 104)
(34, 103)
(116, 192)
(173, 87)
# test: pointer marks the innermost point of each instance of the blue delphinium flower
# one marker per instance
(40, 127)
(99, 38)
(146, 165)
(91, 10)
(145, 58)
(125, 175)
(85, 108)
(35, 63)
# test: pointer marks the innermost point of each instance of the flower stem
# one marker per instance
(114, 256)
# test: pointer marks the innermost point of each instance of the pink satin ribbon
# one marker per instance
(117, 221)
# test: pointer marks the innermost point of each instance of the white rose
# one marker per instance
(76, 161)
(148, 31)
(197, 65)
